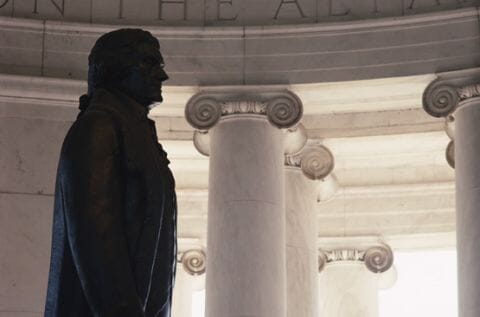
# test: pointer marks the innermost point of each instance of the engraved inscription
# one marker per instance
(60, 9)
(219, 6)
(290, 2)
(182, 3)
(237, 11)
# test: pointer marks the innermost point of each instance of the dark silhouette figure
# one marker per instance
(114, 227)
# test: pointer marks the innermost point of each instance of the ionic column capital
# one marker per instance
(444, 95)
(376, 255)
(282, 108)
(447, 93)
(194, 261)
(316, 161)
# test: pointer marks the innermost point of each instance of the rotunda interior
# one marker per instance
(361, 102)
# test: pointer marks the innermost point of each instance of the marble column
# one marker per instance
(301, 194)
(246, 273)
(467, 176)
(350, 279)
(456, 96)
(190, 278)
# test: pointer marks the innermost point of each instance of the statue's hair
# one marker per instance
(112, 57)
(114, 53)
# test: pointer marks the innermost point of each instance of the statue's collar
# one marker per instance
(118, 101)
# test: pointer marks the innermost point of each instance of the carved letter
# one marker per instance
(410, 7)
(219, 17)
(295, 2)
(60, 9)
(4, 3)
(331, 13)
(162, 2)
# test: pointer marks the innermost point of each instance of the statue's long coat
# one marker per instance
(114, 236)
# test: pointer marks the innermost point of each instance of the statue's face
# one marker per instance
(145, 81)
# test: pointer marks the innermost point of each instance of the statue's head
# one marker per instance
(128, 60)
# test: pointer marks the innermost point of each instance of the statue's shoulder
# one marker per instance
(94, 123)
(103, 110)
(92, 133)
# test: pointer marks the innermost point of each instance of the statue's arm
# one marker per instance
(92, 183)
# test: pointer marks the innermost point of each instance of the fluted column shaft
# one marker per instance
(467, 178)
(302, 254)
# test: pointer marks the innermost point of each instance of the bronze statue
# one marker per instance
(114, 227)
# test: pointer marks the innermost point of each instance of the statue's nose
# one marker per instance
(162, 75)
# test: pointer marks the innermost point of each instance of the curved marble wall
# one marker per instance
(221, 12)
(307, 53)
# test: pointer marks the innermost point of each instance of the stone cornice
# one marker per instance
(320, 99)
(282, 108)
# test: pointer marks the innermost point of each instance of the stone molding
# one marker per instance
(316, 161)
(194, 261)
(377, 259)
(282, 108)
(445, 94)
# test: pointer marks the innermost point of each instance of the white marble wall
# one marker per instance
(28, 161)
(25, 226)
